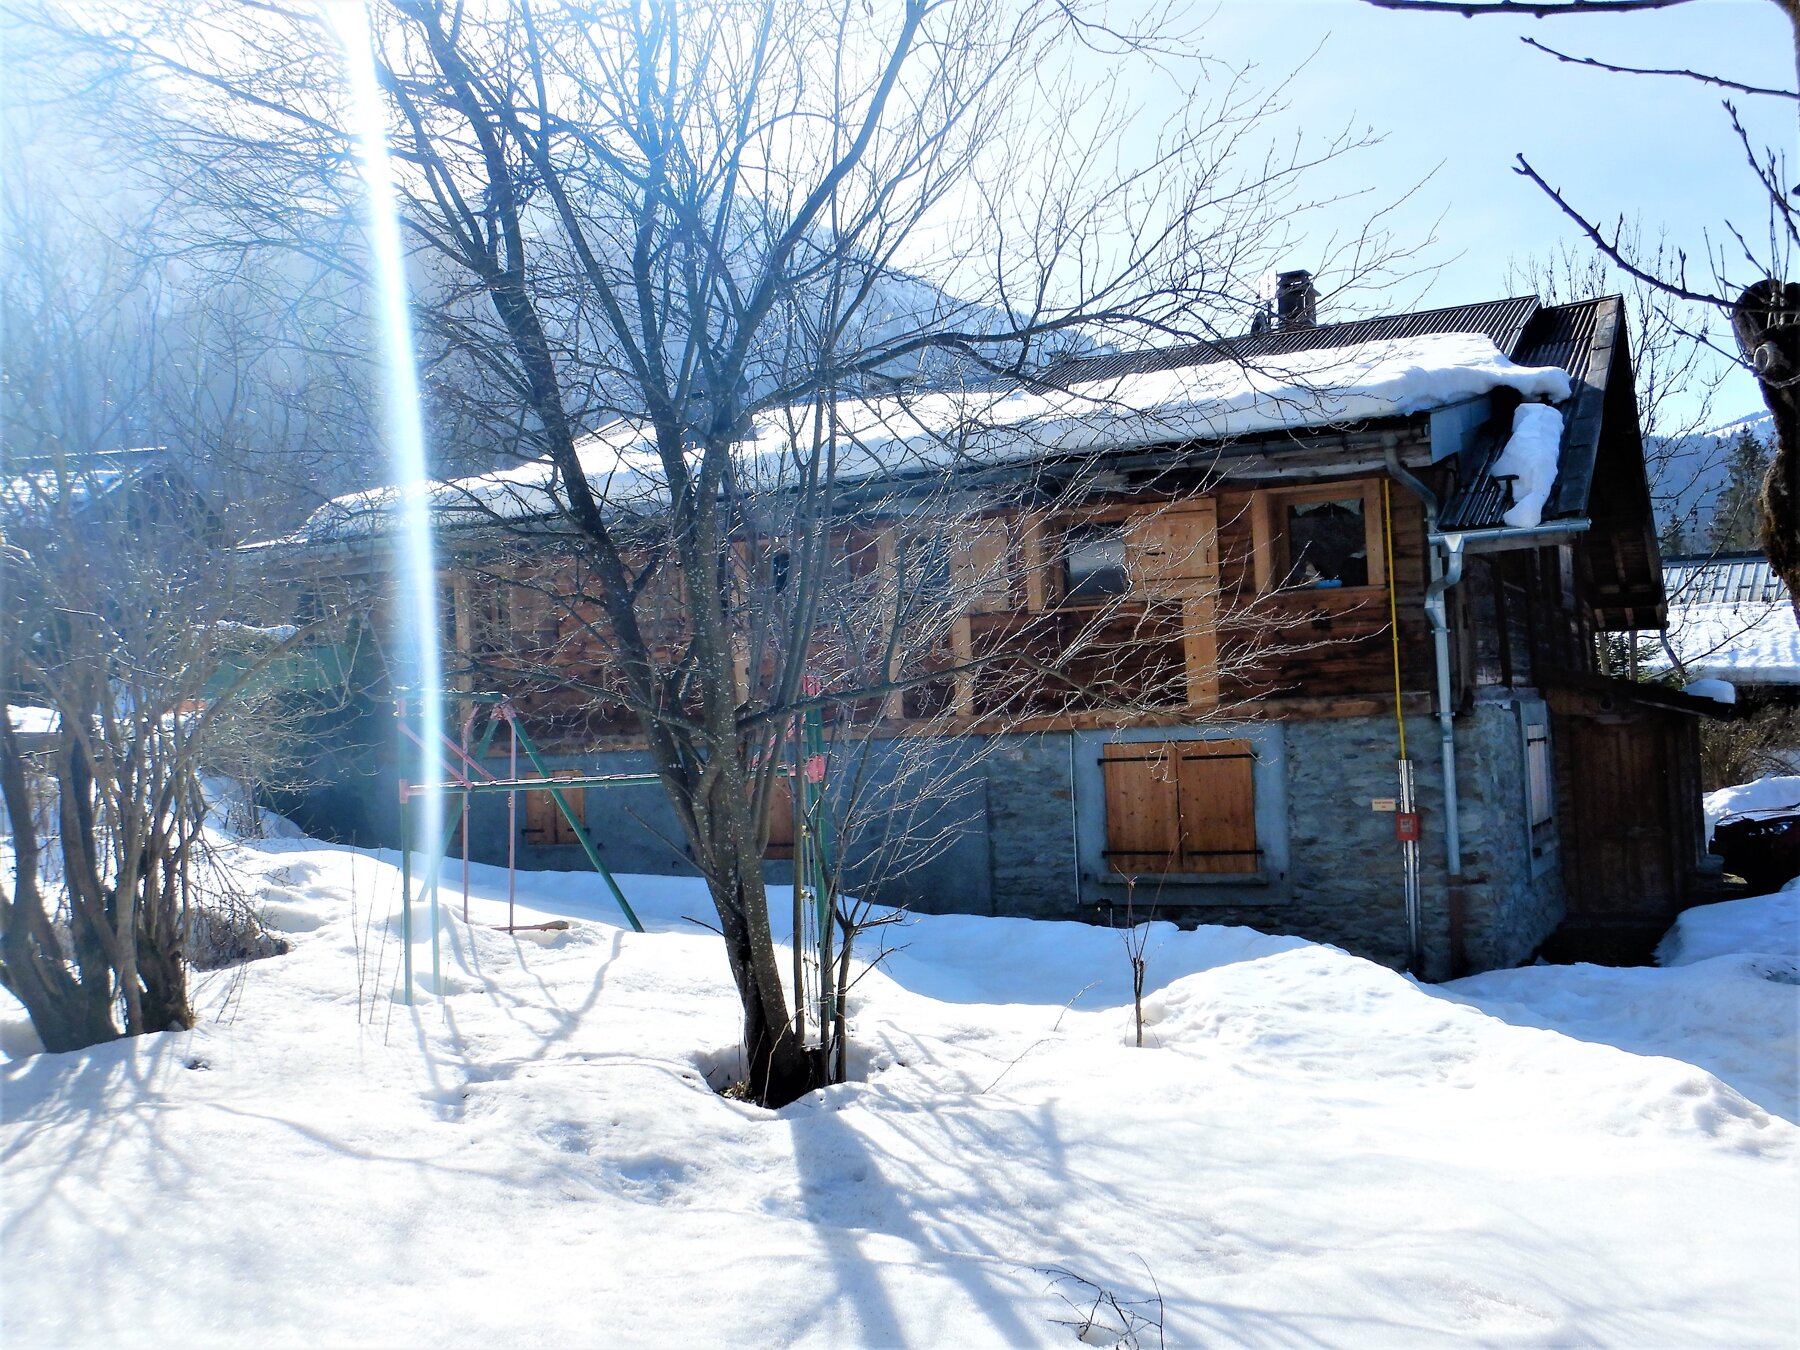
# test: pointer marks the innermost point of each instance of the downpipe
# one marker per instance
(1446, 571)
(1445, 553)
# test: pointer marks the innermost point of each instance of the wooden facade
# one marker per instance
(1210, 614)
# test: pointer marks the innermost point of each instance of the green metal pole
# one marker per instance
(587, 847)
(406, 893)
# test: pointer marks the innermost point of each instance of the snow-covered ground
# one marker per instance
(1312, 1151)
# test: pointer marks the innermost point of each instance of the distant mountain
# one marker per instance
(1759, 424)
(1687, 473)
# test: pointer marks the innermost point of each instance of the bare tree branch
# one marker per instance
(1717, 80)
(1528, 8)
(1610, 248)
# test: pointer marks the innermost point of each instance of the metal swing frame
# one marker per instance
(464, 777)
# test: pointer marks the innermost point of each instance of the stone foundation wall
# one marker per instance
(1023, 833)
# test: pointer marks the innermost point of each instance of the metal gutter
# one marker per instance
(1498, 538)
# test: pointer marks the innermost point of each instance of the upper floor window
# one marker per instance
(1328, 537)
(922, 567)
(1094, 564)
(1327, 543)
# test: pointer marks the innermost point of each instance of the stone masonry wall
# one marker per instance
(1011, 841)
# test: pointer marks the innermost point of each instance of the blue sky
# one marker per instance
(1468, 95)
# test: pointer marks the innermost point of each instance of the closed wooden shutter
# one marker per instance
(1143, 824)
(1173, 553)
(533, 625)
(1537, 773)
(545, 822)
(781, 818)
(1217, 791)
(1182, 807)
(983, 576)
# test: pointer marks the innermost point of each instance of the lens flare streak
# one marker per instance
(422, 661)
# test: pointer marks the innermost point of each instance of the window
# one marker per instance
(1327, 543)
(1094, 564)
(545, 822)
(1539, 797)
(1181, 807)
(923, 568)
(1323, 538)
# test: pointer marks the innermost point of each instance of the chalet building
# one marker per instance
(1440, 516)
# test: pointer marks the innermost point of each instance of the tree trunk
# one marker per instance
(1766, 322)
(160, 966)
(778, 1068)
(65, 1014)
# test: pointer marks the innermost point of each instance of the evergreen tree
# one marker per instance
(1735, 526)
(1674, 541)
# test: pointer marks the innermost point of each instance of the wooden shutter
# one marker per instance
(544, 821)
(781, 817)
(1216, 783)
(1181, 806)
(982, 575)
(1173, 553)
(1537, 772)
(529, 616)
(1143, 832)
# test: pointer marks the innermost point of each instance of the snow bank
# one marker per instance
(1767, 925)
(1772, 794)
(232, 812)
(1735, 1013)
(1530, 459)
(32, 721)
(1312, 1149)
(973, 428)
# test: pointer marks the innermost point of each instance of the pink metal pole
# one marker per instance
(512, 815)
(453, 748)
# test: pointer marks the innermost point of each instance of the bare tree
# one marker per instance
(125, 683)
(955, 607)
(709, 219)
(125, 662)
(1749, 282)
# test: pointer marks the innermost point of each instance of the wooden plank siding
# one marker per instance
(1315, 641)
(1205, 622)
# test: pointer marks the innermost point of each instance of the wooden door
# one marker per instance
(1618, 831)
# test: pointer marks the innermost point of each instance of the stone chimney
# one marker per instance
(1296, 302)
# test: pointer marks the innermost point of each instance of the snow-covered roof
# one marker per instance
(28, 720)
(1731, 618)
(76, 480)
(906, 434)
